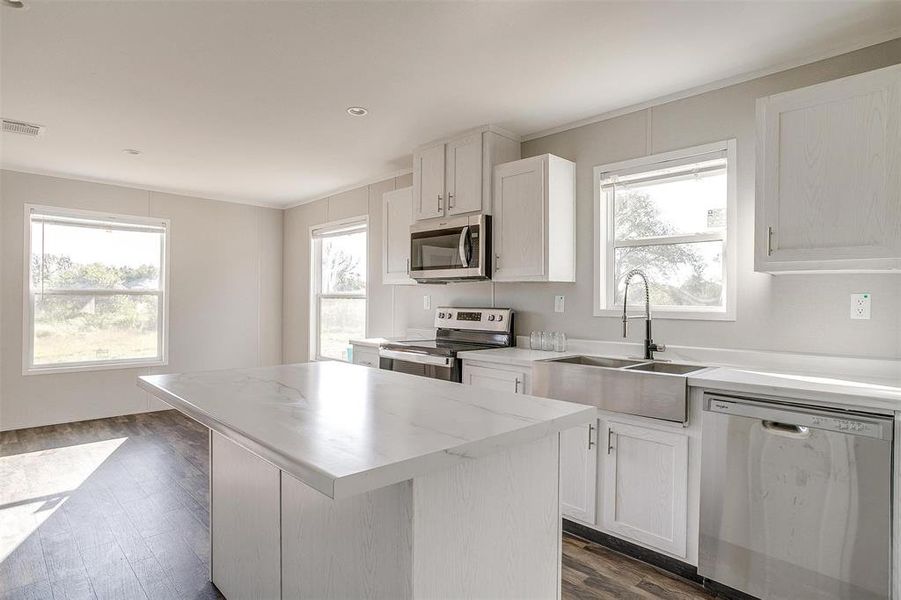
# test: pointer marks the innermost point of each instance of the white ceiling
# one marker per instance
(245, 101)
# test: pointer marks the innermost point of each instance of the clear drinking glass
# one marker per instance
(547, 340)
(560, 341)
(535, 340)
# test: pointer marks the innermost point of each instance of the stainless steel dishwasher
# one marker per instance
(796, 501)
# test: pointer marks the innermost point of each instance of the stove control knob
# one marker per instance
(500, 318)
(440, 315)
(490, 317)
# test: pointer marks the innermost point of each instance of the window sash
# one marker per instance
(317, 235)
(662, 171)
(612, 282)
(103, 221)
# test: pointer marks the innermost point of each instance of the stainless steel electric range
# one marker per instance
(457, 330)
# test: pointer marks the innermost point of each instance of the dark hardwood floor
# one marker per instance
(118, 508)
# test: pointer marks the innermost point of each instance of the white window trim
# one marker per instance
(603, 242)
(28, 368)
(316, 281)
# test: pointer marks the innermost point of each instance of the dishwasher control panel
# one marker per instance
(782, 415)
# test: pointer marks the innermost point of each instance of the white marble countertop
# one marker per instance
(517, 355)
(370, 342)
(876, 385)
(347, 429)
(840, 390)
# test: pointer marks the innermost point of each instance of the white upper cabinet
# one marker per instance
(397, 216)
(428, 182)
(453, 176)
(829, 176)
(534, 223)
(464, 174)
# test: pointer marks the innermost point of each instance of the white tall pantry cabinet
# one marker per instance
(829, 176)
(534, 220)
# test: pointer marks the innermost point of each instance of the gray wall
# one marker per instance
(385, 318)
(225, 297)
(795, 313)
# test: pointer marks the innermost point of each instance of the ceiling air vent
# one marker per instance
(21, 127)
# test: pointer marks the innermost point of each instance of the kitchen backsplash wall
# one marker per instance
(795, 313)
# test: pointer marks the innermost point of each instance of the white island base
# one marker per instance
(488, 527)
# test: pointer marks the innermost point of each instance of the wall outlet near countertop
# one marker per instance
(860, 306)
(559, 303)
(426, 302)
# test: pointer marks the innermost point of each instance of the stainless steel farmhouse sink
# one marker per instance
(652, 389)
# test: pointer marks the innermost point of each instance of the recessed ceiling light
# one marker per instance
(357, 111)
(15, 4)
(131, 151)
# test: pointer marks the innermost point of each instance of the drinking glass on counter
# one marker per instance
(547, 340)
(560, 341)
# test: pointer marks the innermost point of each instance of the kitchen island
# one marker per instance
(330, 480)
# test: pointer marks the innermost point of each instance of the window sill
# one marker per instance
(677, 315)
(79, 368)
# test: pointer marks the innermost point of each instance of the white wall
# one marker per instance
(796, 313)
(225, 298)
(384, 318)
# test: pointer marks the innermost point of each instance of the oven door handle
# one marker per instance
(417, 357)
(464, 235)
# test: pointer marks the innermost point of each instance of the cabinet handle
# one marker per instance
(408, 267)
(609, 441)
(516, 386)
(439, 203)
(590, 431)
(450, 200)
(497, 261)
(769, 240)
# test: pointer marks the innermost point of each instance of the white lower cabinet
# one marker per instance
(500, 379)
(366, 356)
(644, 486)
(578, 472)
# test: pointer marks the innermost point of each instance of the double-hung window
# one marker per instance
(338, 286)
(95, 290)
(672, 216)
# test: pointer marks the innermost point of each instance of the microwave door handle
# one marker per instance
(462, 246)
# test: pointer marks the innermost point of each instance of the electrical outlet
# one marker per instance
(860, 306)
(426, 302)
(558, 303)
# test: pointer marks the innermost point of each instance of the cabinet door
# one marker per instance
(428, 182)
(397, 216)
(366, 356)
(494, 379)
(520, 221)
(578, 472)
(829, 175)
(645, 486)
(464, 174)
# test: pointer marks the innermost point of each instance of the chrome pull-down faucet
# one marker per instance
(649, 346)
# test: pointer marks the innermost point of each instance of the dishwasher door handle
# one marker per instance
(787, 430)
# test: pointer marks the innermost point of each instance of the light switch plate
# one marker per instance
(426, 302)
(559, 303)
(860, 306)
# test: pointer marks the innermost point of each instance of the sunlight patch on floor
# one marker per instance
(36, 484)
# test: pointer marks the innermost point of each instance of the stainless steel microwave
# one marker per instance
(452, 249)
